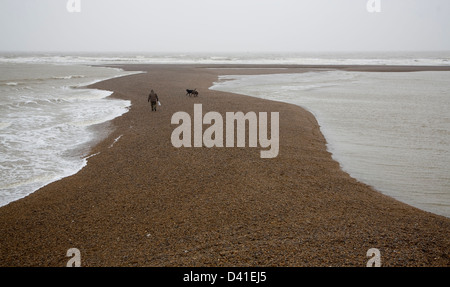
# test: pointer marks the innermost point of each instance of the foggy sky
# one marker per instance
(224, 25)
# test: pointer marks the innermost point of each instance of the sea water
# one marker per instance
(389, 130)
(382, 58)
(46, 120)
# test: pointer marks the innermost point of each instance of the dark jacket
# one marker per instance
(153, 97)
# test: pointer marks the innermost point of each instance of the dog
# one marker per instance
(191, 92)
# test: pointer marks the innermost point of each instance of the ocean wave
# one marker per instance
(10, 83)
(68, 77)
(24, 81)
(95, 120)
(419, 58)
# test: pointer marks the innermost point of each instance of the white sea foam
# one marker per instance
(45, 124)
(4, 125)
(115, 141)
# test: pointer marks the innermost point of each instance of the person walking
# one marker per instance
(153, 99)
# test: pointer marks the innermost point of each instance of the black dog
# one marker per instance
(191, 92)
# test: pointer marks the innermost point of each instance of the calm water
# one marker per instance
(389, 130)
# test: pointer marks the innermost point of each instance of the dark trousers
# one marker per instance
(153, 106)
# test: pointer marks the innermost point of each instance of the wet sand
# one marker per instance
(142, 202)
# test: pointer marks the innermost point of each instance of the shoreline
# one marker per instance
(69, 80)
(214, 207)
(434, 202)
